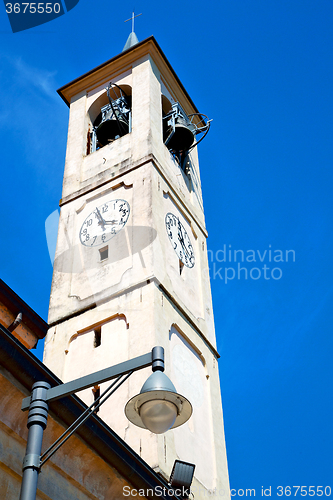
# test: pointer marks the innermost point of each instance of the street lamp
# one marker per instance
(157, 408)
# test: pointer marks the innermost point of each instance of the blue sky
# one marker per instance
(262, 69)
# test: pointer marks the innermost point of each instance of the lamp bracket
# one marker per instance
(31, 461)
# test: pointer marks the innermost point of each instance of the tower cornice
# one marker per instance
(173, 191)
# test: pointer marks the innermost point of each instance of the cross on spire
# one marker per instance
(132, 19)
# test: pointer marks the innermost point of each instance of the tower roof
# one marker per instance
(131, 40)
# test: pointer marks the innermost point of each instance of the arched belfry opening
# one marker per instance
(182, 132)
(110, 116)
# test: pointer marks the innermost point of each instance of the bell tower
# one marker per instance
(131, 268)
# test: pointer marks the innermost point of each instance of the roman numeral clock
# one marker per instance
(131, 268)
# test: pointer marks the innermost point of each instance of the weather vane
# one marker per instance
(132, 19)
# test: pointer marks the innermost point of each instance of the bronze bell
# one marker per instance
(112, 125)
(183, 136)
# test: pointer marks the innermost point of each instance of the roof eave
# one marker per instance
(16, 305)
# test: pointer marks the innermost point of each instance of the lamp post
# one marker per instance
(157, 408)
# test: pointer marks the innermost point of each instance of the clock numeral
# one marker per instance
(87, 237)
(89, 222)
(104, 209)
(95, 237)
(123, 211)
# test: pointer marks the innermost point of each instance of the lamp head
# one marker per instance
(158, 407)
(181, 477)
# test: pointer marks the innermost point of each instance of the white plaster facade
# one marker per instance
(137, 298)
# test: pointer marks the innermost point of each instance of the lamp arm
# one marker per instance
(93, 379)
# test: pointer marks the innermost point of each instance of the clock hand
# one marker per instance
(110, 221)
(101, 221)
(181, 239)
(180, 234)
(184, 248)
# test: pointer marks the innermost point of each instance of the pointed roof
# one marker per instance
(131, 40)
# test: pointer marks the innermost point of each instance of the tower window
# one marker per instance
(96, 392)
(103, 253)
(97, 336)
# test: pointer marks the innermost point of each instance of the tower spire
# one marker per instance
(132, 38)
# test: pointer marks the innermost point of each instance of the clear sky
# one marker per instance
(262, 69)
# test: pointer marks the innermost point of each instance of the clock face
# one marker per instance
(179, 239)
(104, 223)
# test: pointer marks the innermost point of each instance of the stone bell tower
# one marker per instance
(131, 268)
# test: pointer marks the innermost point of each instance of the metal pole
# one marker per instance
(38, 410)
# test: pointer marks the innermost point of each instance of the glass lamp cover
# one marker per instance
(158, 416)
